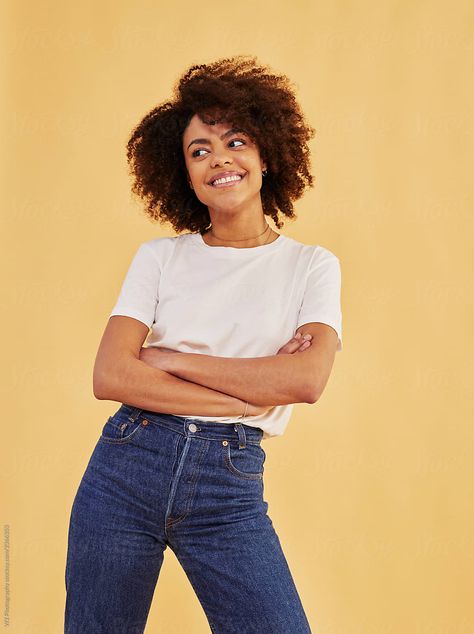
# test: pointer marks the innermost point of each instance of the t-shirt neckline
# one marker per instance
(199, 240)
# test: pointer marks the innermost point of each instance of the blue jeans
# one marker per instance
(157, 480)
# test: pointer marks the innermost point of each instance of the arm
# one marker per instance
(119, 375)
(271, 380)
(280, 379)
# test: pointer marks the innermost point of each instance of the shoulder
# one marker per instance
(314, 253)
(162, 248)
(323, 253)
(160, 244)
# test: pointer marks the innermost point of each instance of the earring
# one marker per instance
(264, 172)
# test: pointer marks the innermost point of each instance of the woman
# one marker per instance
(181, 462)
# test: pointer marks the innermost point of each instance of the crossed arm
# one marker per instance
(279, 379)
(273, 380)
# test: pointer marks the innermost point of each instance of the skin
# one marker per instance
(236, 212)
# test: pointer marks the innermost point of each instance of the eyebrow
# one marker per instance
(222, 137)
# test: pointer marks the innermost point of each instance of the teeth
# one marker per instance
(227, 179)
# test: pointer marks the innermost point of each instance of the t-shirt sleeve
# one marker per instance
(322, 294)
(138, 296)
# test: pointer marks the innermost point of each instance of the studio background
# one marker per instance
(379, 533)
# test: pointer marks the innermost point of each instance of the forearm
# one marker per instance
(136, 383)
(272, 380)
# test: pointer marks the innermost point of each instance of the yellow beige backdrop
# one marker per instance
(371, 488)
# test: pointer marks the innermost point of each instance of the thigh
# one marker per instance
(231, 553)
(115, 551)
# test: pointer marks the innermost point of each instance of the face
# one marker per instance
(210, 150)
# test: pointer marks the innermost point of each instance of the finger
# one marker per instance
(292, 345)
(304, 346)
(299, 339)
(305, 338)
(295, 343)
(302, 336)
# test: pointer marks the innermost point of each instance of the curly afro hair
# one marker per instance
(239, 91)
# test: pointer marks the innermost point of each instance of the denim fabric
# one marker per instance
(157, 480)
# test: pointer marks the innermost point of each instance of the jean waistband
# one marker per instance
(196, 427)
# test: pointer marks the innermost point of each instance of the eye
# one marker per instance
(195, 155)
(238, 141)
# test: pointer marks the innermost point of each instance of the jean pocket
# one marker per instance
(120, 431)
(247, 463)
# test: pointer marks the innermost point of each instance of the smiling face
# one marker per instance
(217, 150)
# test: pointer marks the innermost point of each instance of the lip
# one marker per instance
(223, 175)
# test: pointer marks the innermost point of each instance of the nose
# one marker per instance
(221, 158)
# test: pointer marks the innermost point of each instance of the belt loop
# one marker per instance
(135, 414)
(241, 431)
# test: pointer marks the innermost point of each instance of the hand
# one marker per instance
(297, 344)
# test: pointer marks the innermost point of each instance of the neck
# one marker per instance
(247, 228)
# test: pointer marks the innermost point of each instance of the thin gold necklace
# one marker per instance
(243, 239)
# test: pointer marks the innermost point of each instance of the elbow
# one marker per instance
(313, 391)
(111, 379)
(101, 384)
(311, 394)
(99, 395)
(311, 399)
(99, 388)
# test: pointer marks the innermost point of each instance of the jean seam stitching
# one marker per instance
(121, 441)
(188, 499)
(197, 435)
(235, 471)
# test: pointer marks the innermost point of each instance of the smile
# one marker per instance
(228, 181)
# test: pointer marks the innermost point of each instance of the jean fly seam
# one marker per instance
(187, 503)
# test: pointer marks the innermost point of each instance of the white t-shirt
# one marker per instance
(231, 302)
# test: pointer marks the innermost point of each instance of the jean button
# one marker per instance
(192, 427)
